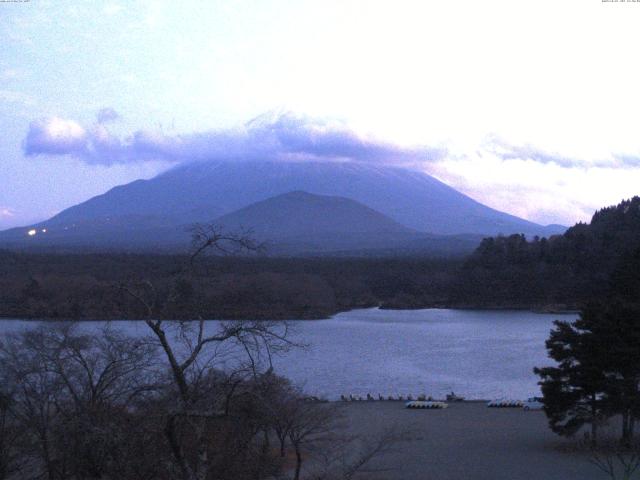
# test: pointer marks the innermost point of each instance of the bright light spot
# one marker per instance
(44, 230)
(32, 232)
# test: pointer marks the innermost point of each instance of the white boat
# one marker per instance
(533, 403)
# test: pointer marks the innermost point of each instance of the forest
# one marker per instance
(86, 286)
(556, 273)
(564, 270)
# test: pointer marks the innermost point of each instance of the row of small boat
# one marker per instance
(369, 397)
(426, 405)
(505, 404)
(529, 405)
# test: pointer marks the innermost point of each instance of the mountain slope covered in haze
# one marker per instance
(294, 223)
(206, 190)
(300, 213)
(299, 222)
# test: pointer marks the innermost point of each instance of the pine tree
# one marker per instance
(598, 356)
(574, 391)
(617, 329)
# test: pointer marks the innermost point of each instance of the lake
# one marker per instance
(478, 354)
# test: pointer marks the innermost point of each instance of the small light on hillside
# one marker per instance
(44, 230)
(32, 232)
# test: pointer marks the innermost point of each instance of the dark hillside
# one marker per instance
(563, 270)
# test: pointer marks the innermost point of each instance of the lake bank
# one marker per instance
(559, 309)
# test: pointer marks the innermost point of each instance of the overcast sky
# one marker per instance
(530, 107)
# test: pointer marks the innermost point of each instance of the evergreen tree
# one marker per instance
(617, 329)
(574, 391)
(598, 356)
(621, 333)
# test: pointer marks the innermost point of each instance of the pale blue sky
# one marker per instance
(533, 105)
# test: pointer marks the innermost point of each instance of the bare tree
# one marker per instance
(11, 434)
(209, 236)
(35, 392)
(281, 401)
(618, 460)
(347, 457)
(69, 389)
(191, 349)
(369, 449)
(310, 425)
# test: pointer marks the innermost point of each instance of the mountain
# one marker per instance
(206, 190)
(300, 213)
(300, 222)
(306, 217)
(154, 212)
(294, 223)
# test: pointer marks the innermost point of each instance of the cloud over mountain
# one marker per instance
(507, 151)
(528, 152)
(55, 136)
(268, 137)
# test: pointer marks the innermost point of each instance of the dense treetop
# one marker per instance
(568, 268)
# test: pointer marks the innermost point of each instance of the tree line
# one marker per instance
(85, 286)
(563, 271)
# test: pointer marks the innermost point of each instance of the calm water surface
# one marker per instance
(478, 354)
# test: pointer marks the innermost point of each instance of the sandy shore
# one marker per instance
(470, 441)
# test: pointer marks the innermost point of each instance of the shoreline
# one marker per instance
(536, 310)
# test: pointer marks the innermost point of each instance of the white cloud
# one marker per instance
(543, 192)
(269, 137)
(54, 135)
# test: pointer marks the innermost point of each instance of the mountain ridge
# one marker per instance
(295, 223)
(412, 198)
(201, 192)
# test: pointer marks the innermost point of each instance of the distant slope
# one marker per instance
(300, 213)
(203, 191)
(125, 232)
(299, 222)
(294, 223)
